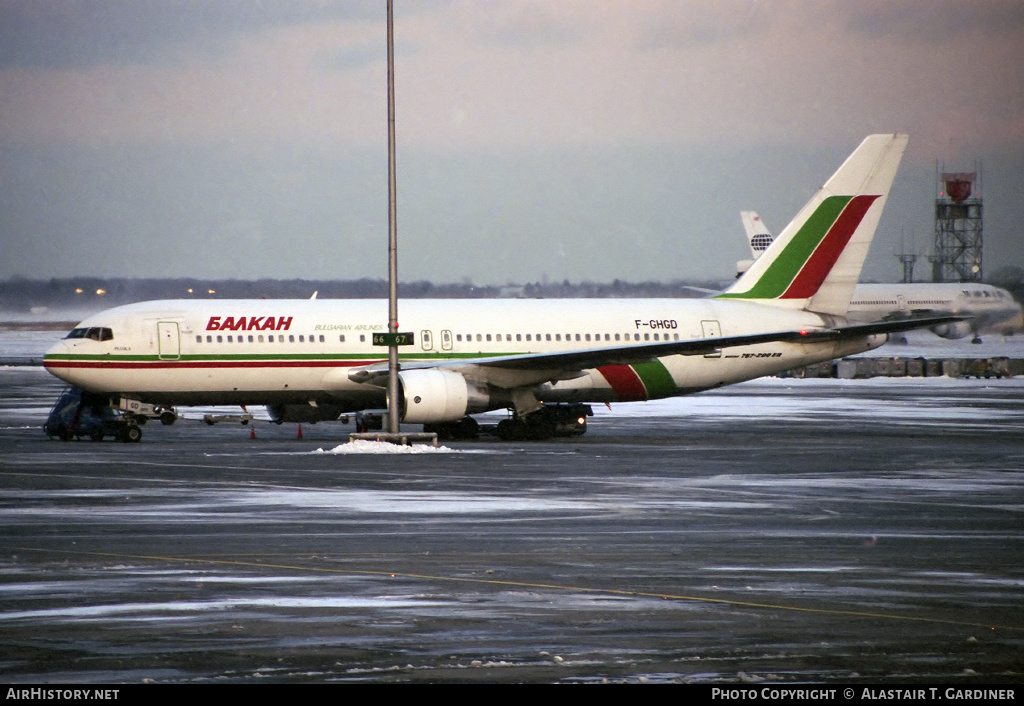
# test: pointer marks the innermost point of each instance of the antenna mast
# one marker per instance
(394, 404)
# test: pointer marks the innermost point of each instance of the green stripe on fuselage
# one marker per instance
(259, 357)
(657, 379)
(781, 273)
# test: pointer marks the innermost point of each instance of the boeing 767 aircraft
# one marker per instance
(314, 359)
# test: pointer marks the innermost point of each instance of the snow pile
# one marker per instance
(362, 446)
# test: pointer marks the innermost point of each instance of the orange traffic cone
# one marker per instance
(299, 435)
(252, 431)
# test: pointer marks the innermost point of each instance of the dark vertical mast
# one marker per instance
(394, 406)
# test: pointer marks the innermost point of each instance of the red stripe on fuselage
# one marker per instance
(824, 257)
(136, 365)
(625, 382)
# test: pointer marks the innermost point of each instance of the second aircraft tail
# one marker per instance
(816, 260)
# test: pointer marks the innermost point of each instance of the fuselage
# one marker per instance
(302, 351)
(990, 308)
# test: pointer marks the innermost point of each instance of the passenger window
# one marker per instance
(321, 338)
(199, 339)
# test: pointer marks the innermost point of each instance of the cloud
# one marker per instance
(80, 34)
(551, 115)
(512, 75)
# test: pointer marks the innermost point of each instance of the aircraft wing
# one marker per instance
(567, 364)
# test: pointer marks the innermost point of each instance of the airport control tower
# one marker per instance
(957, 255)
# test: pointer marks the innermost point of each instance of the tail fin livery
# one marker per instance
(816, 260)
(758, 234)
(758, 237)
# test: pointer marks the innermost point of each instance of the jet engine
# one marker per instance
(954, 329)
(280, 413)
(430, 396)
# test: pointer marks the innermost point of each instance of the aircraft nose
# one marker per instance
(58, 348)
(54, 355)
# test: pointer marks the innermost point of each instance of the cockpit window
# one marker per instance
(96, 333)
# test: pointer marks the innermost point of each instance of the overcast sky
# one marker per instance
(536, 140)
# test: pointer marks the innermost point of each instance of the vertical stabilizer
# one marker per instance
(816, 260)
(758, 235)
(758, 238)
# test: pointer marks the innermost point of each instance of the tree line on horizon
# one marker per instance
(23, 294)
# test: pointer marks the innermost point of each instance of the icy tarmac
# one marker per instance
(775, 531)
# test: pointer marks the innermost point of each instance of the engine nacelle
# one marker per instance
(430, 396)
(303, 413)
(954, 329)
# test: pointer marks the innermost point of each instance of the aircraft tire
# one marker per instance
(510, 430)
(464, 429)
(531, 430)
(131, 434)
(168, 418)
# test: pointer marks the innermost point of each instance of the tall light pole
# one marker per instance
(394, 405)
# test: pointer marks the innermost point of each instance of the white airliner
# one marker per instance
(314, 359)
(988, 308)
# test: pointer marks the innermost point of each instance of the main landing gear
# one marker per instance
(549, 421)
